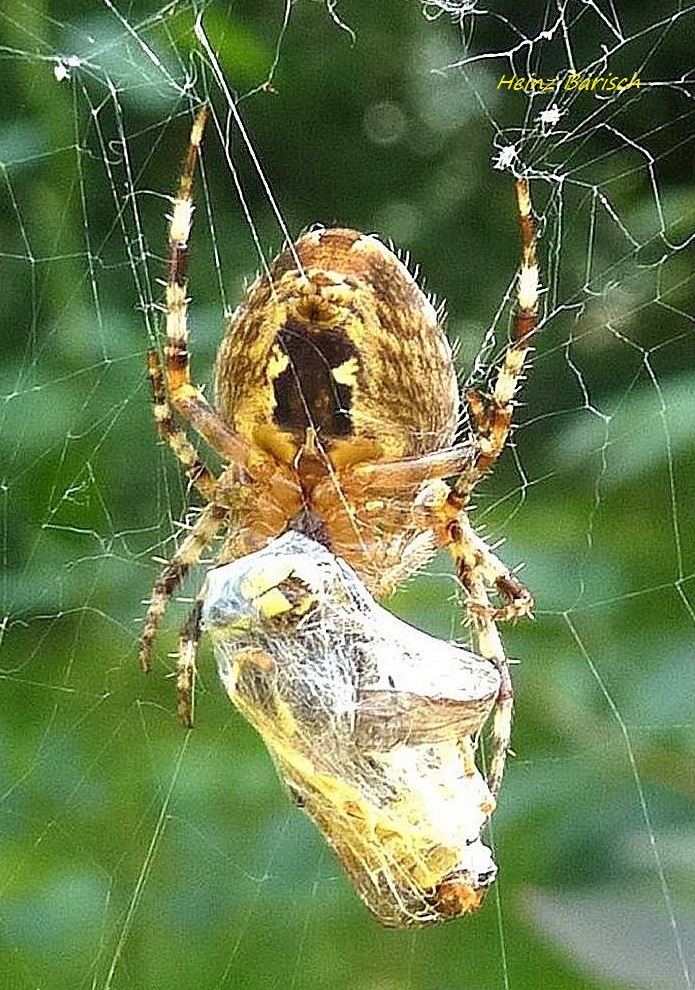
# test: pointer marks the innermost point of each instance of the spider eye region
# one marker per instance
(313, 386)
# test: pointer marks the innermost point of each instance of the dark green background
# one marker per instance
(134, 856)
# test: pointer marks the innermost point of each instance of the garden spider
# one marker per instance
(336, 413)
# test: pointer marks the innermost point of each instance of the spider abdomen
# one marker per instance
(338, 338)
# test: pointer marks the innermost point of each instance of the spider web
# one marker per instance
(135, 855)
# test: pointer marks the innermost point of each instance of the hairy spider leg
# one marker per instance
(174, 389)
(185, 398)
(200, 475)
(206, 527)
(479, 570)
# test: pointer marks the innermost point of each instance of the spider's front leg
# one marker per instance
(185, 398)
(491, 415)
(478, 569)
(173, 392)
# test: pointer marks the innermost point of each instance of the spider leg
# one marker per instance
(186, 399)
(491, 415)
(479, 570)
(385, 477)
(470, 551)
(189, 638)
(200, 475)
(173, 389)
(206, 527)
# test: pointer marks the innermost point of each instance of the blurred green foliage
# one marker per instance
(135, 856)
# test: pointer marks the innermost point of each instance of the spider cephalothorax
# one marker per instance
(336, 412)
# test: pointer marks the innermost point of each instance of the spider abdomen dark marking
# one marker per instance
(315, 388)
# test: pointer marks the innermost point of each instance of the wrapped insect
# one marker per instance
(371, 723)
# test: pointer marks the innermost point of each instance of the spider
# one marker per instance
(336, 413)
